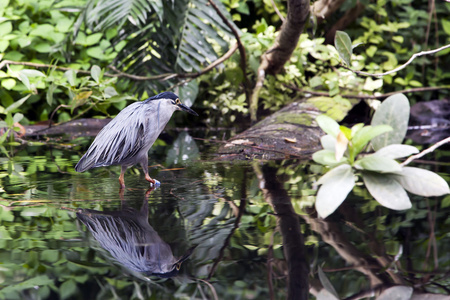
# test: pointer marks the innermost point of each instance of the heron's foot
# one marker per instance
(155, 184)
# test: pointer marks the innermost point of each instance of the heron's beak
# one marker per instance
(187, 109)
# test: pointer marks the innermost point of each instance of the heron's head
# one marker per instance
(174, 101)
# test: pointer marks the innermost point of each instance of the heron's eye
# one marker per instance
(178, 266)
(177, 102)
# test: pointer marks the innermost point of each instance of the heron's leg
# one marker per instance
(144, 165)
(121, 177)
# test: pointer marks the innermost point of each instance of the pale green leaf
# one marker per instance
(378, 164)
(95, 73)
(343, 45)
(327, 158)
(71, 77)
(50, 91)
(386, 190)
(328, 142)
(328, 125)
(396, 151)
(326, 282)
(32, 73)
(422, 182)
(394, 111)
(17, 117)
(336, 184)
(365, 134)
(17, 104)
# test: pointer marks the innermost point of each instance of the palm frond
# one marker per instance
(163, 36)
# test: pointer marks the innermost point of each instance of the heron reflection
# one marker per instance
(131, 241)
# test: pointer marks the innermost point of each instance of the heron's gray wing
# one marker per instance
(119, 141)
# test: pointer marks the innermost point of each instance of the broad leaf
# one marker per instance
(378, 164)
(32, 73)
(95, 73)
(394, 111)
(328, 142)
(162, 37)
(343, 45)
(336, 184)
(386, 190)
(356, 128)
(396, 151)
(422, 182)
(328, 125)
(327, 158)
(365, 134)
(397, 293)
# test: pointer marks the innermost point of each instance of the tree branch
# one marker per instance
(402, 66)
(273, 60)
(120, 74)
(243, 62)
(426, 151)
(413, 90)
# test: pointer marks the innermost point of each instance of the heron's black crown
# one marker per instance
(164, 95)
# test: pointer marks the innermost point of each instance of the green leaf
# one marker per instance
(8, 83)
(5, 28)
(17, 104)
(394, 111)
(396, 151)
(378, 164)
(50, 91)
(17, 117)
(71, 77)
(25, 80)
(336, 184)
(365, 134)
(328, 125)
(343, 45)
(327, 158)
(446, 26)
(326, 282)
(356, 128)
(328, 142)
(422, 182)
(110, 92)
(41, 280)
(386, 190)
(95, 73)
(68, 288)
(32, 73)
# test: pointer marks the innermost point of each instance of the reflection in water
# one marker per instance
(131, 241)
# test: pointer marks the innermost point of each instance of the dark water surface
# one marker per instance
(235, 230)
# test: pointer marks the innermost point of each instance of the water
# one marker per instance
(60, 231)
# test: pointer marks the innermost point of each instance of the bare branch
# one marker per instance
(120, 74)
(402, 66)
(426, 151)
(243, 63)
(413, 90)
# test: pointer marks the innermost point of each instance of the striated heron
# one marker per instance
(125, 140)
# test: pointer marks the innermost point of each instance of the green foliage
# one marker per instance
(385, 179)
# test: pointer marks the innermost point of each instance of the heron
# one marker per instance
(131, 241)
(126, 140)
